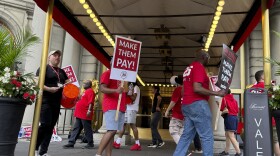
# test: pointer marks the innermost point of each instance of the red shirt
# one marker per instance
(194, 73)
(261, 85)
(231, 104)
(176, 97)
(83, 105)
(110, 101)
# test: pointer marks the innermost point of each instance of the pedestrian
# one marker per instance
(130, 118)
(83, 113)
(176, 125)
(111, 89)
(156, 117)
(195, 106)
(230, 123)
(52, 93)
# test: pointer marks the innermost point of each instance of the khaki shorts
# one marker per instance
(130, 116)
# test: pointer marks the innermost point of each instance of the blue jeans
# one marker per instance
(197, 119)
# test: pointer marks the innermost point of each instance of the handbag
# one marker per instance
(225, 110)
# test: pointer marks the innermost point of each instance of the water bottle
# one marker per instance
(130, 89)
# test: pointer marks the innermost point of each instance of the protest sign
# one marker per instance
(126, 59)
(71, 75)
(226, 68)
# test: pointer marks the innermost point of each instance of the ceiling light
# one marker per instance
(212, 29)
(152, 84)
(98, 24)
(110, 39)
(218, 13)
(148, 84)
(206, 49)
(105, 34)
(159, 85)
(82, 1)
(95, 19)
(86, 6)
(211, 33)
(163, 85)
(219, 8)
(167, 85)
(215, 22)
(89, 11)
(92, 15)
(213, 26)
(101, 27)
(216, 18)
(103, 31)
(221, 3)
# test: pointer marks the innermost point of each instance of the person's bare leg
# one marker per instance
(234, 141)
(105, 141)
(276, 149)
(227, 142)
(135, 131)
(109, 147)
(121, 132)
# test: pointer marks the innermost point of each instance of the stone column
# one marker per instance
(38, 25)
(274, 39)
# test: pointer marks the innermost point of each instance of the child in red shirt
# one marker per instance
(83, 113)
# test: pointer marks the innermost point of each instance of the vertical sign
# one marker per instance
(126, 59)
(258, 139)
(226, 68)
(71, 75)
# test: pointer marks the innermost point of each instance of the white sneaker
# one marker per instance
(36, 153)
(45, 154)
(197, 151)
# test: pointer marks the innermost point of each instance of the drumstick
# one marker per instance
(119, 103)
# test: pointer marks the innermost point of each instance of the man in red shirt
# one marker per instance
(111, 90)
(83, 114)
(195, 106)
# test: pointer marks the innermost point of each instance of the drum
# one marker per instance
(69, 95)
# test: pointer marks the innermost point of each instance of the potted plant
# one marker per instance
(16, 89)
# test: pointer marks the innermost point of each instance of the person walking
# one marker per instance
(230, 122)
(156, 116)
(52, 93)
(111, 89)
(83, 113)
(176, 125)
(130, 118)
(195, 106)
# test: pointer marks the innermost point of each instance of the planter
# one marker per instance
(11, 115)
(276, 115)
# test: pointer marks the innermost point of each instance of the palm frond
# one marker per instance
(15, 47)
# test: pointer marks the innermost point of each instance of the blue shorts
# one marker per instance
(110, 122)
(231, 123)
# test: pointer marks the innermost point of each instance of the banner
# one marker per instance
(226, 68)
(126, 59)
(71, 75)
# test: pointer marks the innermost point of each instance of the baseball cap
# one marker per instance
(54, 51)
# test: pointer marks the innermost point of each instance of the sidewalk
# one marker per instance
(56, 149)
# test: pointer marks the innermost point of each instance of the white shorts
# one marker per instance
(130, 116)
(176, 127)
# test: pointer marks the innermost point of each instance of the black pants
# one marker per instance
(48, 118)
(79, 125)
(156, 138)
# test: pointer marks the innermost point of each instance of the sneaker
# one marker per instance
(161, 144)
(152, 145)
(68, 146)
(88, 146)
(224, 153)
(116, 145)
(238, 154)
(136, 147)
(198, 151)
(37, 153)
(45, 154)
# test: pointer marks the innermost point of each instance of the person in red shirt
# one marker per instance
(176, 125)
(259, 76)
(230, 122)
(83, 113)
(111, 89)
(195, 106)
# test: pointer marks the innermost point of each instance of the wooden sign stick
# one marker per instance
(218, 111)
(119, 103)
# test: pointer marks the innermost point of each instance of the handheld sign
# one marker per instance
(71, 75)
(226, 68)
(125, 63)
(126, 59)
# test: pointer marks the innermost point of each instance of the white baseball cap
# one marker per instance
(54, 51)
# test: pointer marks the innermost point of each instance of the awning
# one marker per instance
(170, 31)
